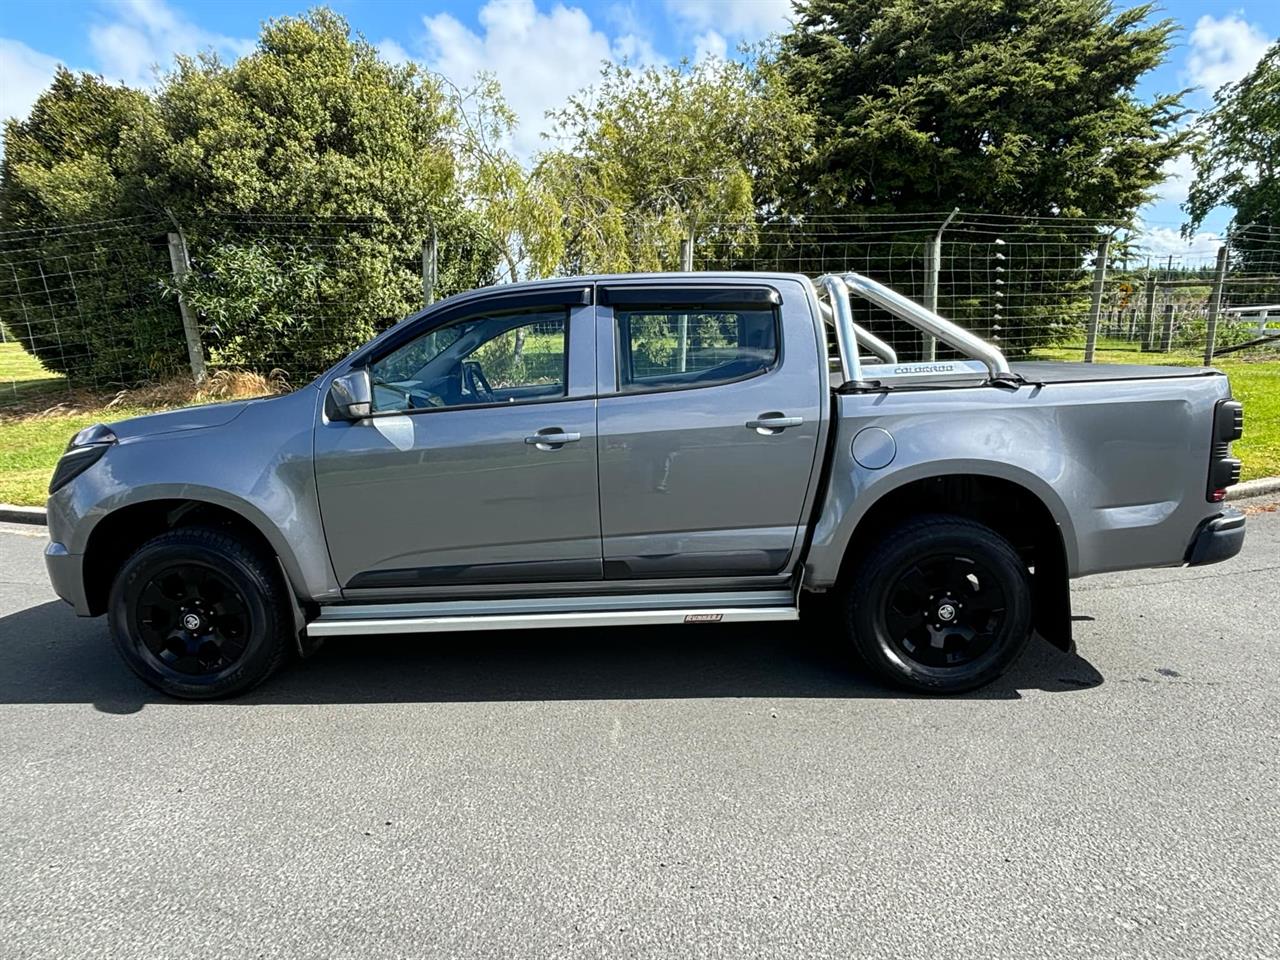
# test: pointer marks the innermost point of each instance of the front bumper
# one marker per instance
(1216, 539)
(66, 573)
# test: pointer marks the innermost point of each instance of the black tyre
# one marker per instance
(941, 604)
(199, 614)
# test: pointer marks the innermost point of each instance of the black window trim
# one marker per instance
(630, 390)
(566, 312)
(665, 295)
(402, 333)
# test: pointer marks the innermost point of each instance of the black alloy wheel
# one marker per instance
(940, 604)
(200, 613)
(945, 610)
(192, 619)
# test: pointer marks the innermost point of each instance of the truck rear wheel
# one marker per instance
(199, 614)
(942, 604)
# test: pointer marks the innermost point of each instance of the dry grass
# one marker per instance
(180, 392)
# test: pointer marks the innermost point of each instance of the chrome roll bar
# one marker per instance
(865, 337)
(838, 287)
(846, 336)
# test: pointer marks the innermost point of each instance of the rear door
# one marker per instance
(709, 417)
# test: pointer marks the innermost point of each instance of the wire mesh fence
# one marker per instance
(100, 306)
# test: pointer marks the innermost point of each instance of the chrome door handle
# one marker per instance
(769, 424)
(552, 438)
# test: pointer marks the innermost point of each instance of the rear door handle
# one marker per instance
(769, 424)
(552, 438)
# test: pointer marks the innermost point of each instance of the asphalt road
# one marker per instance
(638, 793)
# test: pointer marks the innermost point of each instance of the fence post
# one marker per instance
(1095, 306)
(180, 262)
(686, 264)
(429, 270)
(1148, 315)
(1166, 340)
(932, 272)
(1215, 304)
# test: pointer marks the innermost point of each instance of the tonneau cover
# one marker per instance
(1052, 371)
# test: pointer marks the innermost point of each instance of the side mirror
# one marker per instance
(351, 396)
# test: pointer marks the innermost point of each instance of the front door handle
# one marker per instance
(769, 424)
(552, 438)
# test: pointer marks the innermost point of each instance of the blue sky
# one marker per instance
(541, 50)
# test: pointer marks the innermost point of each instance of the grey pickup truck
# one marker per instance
(646, 449)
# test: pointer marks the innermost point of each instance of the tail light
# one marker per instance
(1224, 469)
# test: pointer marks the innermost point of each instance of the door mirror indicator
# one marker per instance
(351, 396)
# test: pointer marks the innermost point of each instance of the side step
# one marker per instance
(542, 612)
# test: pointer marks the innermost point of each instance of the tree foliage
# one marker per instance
(76, 304)
(1017, 107)
(650, 157)
(306, 177)
(1237, 152)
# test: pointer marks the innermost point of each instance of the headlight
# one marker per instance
(98, 433)
(85, 449)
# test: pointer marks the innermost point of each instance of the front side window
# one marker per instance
(676, 347)
(513, 357)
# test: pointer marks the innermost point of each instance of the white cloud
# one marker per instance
(24, 73)
(146, 34)
(1224, 50)
(710, 45)
(1161, 242)
(392, 52)
(539, 58)
(742, 19)
(1179, 173)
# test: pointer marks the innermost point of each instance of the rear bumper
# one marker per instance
(1216, 539)
(66, 573)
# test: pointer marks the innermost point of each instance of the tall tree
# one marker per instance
(306, 176)
(651, 157)
(1013, 107)
(310, 149)
(73, 294)
(1237, 157)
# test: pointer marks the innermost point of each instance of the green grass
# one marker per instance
(1254, 382)
(24, 380)
(30, 447)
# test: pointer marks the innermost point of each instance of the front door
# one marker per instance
(708, 428)
(478, 464)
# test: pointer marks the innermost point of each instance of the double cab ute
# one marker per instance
(645, 449)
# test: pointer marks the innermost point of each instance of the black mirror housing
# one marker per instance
(351, 396)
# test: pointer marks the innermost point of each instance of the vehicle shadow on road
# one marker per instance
(47, 655)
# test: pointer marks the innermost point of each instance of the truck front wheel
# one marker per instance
(941, 604)
(199, 614)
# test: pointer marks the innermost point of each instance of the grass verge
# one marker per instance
(40, 414)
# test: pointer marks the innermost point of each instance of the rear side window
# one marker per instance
(675, 347)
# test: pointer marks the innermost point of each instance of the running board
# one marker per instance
(543, 612)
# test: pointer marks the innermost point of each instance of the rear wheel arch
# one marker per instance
(1012, 509)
